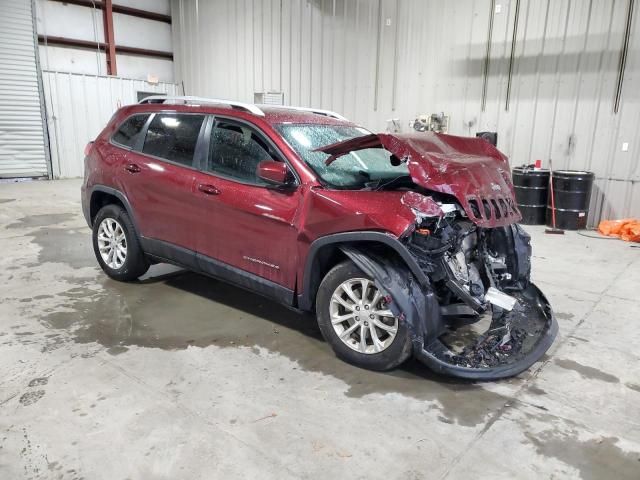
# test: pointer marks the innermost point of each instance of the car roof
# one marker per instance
(272, 114)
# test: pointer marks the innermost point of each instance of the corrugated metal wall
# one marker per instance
(379, 59)
(22, 140)
(78, 108)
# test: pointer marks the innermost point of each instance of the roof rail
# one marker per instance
(249, 107)
(318, 111)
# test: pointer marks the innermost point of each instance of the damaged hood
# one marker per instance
(472, 170)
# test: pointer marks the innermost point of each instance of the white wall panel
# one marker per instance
(90, 62)
(157, 6)
(71, 21)
(76, 60)
(141, 33)
(79, 107)
(379, 59)
(134, 66)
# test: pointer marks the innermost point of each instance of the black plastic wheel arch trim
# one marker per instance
(305, 298)
(111, 191)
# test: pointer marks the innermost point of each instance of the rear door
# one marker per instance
(246, 224)
(159, 175)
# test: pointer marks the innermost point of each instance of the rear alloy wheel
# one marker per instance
(116, 245)
(112, 243)
(356, 321)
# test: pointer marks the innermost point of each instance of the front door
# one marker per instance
(247, 224)
(159, 179)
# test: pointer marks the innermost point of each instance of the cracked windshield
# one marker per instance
(369, 167)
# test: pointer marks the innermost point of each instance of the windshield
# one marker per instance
(353, 170)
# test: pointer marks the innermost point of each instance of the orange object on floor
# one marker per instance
(628, 229)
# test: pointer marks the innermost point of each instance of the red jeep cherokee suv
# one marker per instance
(401, 244)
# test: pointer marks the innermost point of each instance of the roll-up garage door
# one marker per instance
(22, 141)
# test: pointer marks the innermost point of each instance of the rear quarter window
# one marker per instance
(173, 137)
(129, 131)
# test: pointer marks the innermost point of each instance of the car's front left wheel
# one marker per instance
(116, 244)
(354, 318)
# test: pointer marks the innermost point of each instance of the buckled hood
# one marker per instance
(471, 169)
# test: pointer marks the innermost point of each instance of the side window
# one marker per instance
(173, 136)
(129, 131)
(236, 150)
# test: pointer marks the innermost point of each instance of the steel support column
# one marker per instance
(107, 15)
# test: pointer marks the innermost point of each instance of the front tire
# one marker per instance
(355, 320)
(116, 245)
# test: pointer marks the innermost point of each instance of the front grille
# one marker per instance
(495, 208)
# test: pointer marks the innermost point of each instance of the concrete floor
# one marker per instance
(181, 376)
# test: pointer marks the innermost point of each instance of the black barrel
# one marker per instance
(531, 188)
(572, 192)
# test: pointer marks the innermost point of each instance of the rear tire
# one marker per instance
(386, 342)
(116, 245)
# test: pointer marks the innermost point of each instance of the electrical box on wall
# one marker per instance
(268, 98)
(393, 125)
(436, 122)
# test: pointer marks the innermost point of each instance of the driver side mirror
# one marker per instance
(274, 173)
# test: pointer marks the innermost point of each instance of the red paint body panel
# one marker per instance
(470, 169)
(249, 227)
(325, 212)
(267, 231)
(162, 196)
(332, 211)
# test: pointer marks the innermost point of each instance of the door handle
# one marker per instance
(208, 189)
(132, 168)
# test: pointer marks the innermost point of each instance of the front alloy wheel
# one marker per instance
(355, 319)
(360, 317)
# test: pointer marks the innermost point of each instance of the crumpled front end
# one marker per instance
(478, 316)
(470, 169)
(469, 304)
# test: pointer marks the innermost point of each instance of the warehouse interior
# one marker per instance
(185, 373)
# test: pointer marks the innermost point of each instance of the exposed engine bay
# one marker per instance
(479, 317)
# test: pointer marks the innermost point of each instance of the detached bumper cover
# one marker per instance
(536, 327)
